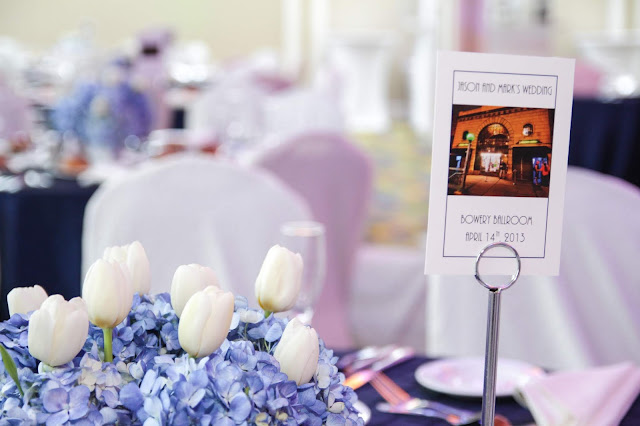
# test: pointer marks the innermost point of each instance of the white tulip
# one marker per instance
(58, 330)
(205, 321)
(134, 257)
(22, 300)
(187, 280)
(279, 280)
(108, 294)
(298, 352)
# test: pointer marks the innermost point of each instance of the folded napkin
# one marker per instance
(599, 396)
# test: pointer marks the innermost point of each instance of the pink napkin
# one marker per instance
(599, 396)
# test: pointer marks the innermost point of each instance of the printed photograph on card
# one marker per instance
(500, 149)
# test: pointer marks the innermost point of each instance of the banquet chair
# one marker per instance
(14, 113)
(586, 316)
(335, 178)
(189, 208)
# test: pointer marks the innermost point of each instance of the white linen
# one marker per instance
(599, 396)
(363, 63)
(387, 292)
(586, 316)
(336, 179)
(193, 209)
(99, 172)
(232, 106)
(300, 111)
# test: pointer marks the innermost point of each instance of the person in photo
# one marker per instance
(545, 169)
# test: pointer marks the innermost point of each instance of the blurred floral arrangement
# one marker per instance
(199, 355)
(106, 112)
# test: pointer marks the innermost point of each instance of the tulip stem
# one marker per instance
(108, 352)
(267, 313)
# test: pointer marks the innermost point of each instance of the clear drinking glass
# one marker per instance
(308, 239)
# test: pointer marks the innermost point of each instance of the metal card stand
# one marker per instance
(493, 325)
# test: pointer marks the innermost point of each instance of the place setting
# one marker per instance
(446, 389)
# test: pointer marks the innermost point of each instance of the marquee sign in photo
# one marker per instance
(499, 161)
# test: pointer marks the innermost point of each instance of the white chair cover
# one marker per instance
(193, 209)
(387, 296)
(586, 316)
(335, 178)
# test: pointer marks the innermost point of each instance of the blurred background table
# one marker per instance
(40, 238)
(604, 136)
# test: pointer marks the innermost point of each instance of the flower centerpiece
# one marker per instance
(198, 356)
(102, 114)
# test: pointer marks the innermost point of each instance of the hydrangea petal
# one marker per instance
(131, 397)
(78, 402)
(240, 407)
(58, 418)
(197, 397)
(274, 333)
(335, 420)
(55, 400)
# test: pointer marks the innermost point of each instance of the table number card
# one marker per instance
(499, 162)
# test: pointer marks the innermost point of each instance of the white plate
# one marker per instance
(363, 410)
(465, 376)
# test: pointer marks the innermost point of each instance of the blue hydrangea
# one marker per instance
(99, 113)
(153, 381)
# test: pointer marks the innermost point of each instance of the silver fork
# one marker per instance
(399, 401)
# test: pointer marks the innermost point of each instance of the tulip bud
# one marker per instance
(298, 352)
(279, 280)
(135, 259)
(22, 300)
(205, 321)
(58, 330)
(187, 280)
(108, 294)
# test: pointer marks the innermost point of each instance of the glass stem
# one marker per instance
(108, 352)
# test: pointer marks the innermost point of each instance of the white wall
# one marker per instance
(234, 28)
(571, 17)
(230, 27)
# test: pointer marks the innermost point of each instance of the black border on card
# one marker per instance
(546, 222)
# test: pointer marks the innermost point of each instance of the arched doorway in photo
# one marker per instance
(492, 148)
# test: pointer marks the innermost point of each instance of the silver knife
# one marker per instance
(362, 377)
(454, 419)
(363, 358)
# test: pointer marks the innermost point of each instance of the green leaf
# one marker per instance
(10, 366)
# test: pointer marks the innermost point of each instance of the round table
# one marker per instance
(41, 238)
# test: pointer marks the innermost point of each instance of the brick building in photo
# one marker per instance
(514, 136)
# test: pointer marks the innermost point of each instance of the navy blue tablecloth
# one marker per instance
(605, 136)
(41, 237)
(403, 375)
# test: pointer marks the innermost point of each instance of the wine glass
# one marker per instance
(308, 239)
